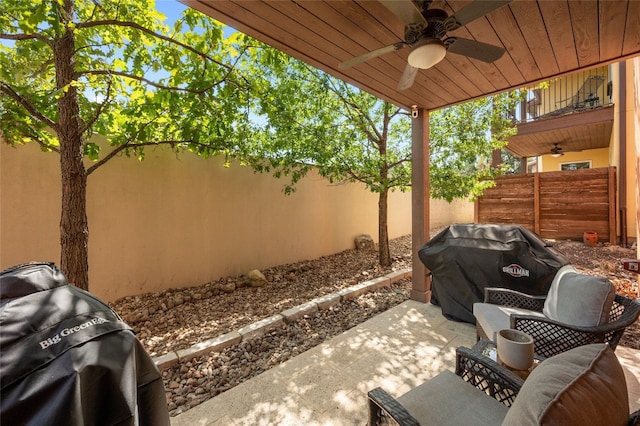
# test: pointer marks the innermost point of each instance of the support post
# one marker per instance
(622, 162)
(421, 282)
(496, 158)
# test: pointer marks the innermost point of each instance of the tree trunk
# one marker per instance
(74, 230)
(383, 234)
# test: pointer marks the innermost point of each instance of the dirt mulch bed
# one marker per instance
(176, 319)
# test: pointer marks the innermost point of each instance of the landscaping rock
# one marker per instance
(255, 278)
(365, 242)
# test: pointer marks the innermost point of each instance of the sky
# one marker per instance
(173, 9)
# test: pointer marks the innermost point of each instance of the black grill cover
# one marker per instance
(466, 258)
(67, 359)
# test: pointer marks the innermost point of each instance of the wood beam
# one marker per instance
(421, 280)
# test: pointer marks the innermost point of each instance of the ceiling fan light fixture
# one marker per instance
(556, 151)
(426, 53)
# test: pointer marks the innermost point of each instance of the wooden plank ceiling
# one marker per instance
(543, 39)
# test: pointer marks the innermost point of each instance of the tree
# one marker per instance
(462, 139)
(512, 164)
(71, 69)
(310, 119)
(307, 119)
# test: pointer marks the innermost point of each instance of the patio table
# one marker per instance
(480, 366)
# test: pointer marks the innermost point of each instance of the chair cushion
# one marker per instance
(563, 270)
(448, 400)
(583, 386)
(580, 300)
(493, 318)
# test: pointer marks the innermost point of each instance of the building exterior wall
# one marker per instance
(598, 158)
(176, 221)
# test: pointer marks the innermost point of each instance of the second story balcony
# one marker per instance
(570, 94)
(573, 112)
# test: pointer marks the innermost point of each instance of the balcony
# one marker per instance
(574, 112)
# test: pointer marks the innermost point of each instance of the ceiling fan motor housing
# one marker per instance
(435, 19)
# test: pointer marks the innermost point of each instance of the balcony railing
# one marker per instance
(566, 95)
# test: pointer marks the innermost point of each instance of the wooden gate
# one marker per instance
(556, 205)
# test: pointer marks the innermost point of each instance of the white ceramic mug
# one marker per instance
(515, 349)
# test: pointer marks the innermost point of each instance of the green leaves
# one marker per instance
(462, 140)
(138, 82)
(308, 119)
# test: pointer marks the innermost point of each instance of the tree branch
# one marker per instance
(149, 82)
(8, 90)
(400, 161)
(122, 147)
(131, 144)
(46, 145)
(115, 152)
(107, 22)
(398, 111)
(98, 111)
(368, 124)
(7, 36)
(128, 145)
(43, 68)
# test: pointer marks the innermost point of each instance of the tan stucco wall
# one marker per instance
(177, 221)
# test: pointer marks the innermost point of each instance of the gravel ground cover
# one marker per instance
(177, 319)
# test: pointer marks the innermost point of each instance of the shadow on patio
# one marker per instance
(327, 385)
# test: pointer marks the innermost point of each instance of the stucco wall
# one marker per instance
(176, 221)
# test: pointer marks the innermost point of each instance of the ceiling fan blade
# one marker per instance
(474, 49)
(406, 10)
(473, 11)
(373, 54)
(408, 77)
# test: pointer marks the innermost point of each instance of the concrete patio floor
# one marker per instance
(327, 385)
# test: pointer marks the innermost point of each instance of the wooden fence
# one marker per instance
(556, 205)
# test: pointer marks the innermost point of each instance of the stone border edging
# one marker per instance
(287, 316)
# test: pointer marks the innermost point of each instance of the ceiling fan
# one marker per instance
(556, 151)
(425, 32)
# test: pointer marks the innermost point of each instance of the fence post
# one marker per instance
(612, 206)
(536, 202)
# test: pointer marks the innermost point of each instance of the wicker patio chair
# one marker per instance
(583, 386)
(486, 376)
(551, 336)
